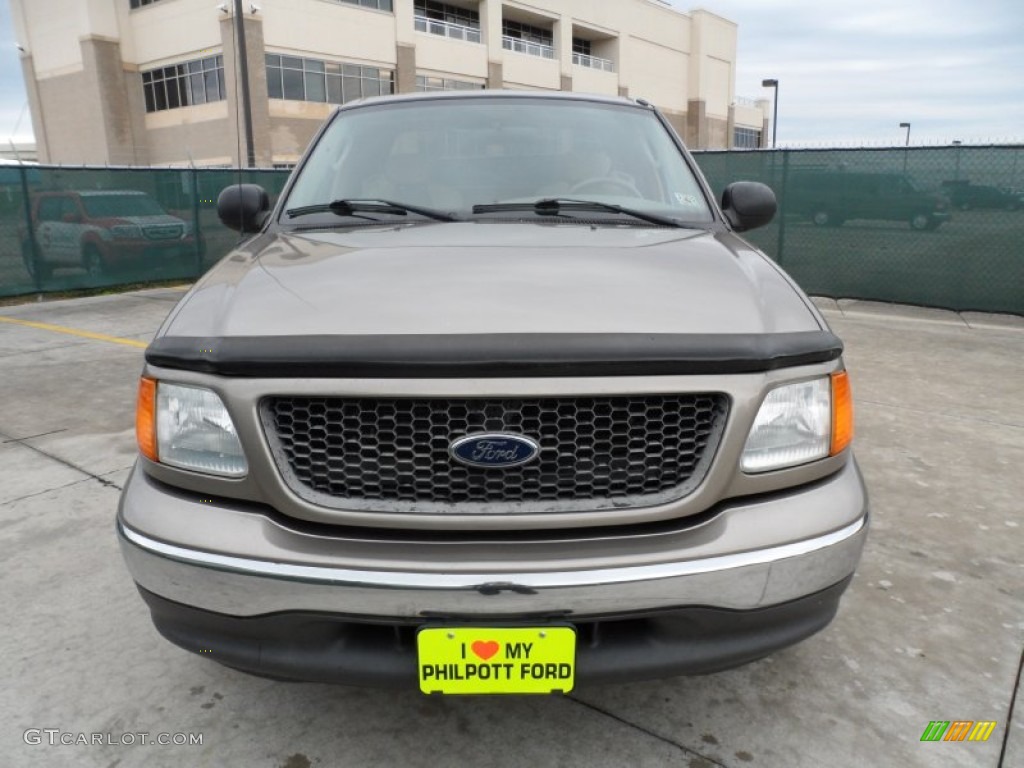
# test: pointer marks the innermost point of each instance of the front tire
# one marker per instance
(825, 218)
(92, 262)
(34, 265)
(922, 222)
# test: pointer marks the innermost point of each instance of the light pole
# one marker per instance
(242, 63)
(907, 126)
(773, 84)
(906, 144)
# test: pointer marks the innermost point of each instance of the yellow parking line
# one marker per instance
(75, 332)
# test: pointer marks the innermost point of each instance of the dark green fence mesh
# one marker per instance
(941, 227)
(66, 229)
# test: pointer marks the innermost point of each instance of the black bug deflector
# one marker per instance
(493, 355)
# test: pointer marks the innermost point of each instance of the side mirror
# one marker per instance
(243, 207)
(748, 205)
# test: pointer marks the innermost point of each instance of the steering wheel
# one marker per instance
(613, 181)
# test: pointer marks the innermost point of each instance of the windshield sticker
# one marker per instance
(688, 200)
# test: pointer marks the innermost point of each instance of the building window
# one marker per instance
(582, 55)
(447, 20)
(528, 33)
(380, 5)
(140, 3)
(581, 46)
(298, 79)
(450, 14)
(425, 83)
(183, 85)
(524, 38)
(746, 138)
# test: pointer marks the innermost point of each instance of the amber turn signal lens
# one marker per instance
(145, 419)
(842, 413)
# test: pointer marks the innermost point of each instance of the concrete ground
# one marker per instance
(931, 629)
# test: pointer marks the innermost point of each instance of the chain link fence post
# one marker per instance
(197, 235)
(33, 248)
(780, 245)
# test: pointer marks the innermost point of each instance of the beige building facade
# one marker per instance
(155, 82)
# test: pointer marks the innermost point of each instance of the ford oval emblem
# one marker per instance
(494, 451)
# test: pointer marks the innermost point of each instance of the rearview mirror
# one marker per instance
(748, 205)
(243, 207)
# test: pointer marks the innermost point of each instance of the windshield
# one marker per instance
(113, 206)
(452, 154)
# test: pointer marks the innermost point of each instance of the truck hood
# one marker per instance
(492, 278)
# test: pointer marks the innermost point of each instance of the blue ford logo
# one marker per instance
(494, 451)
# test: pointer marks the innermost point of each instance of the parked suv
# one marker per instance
(831, 198)
(103, 230)
(494, 400)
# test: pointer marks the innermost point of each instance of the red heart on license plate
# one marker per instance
(485, 648)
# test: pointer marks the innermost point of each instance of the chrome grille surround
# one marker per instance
(392, 454)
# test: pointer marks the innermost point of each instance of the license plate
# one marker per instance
(496, 659)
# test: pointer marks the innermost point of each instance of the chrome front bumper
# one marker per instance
(729, 562)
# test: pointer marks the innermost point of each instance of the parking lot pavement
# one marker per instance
(931, 629)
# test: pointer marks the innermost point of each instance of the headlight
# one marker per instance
(188, 427)
(801, 422)
(126, 232)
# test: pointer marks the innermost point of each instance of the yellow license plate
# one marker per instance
(496, 659)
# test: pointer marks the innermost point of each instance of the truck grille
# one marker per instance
(392, 454)
(163, 231)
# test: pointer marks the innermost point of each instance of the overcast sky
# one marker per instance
(12, 86)
(849, 71)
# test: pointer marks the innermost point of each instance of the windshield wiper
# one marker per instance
(351, 207)
(556, 206)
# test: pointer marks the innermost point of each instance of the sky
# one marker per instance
(849, 71)
(12, 85)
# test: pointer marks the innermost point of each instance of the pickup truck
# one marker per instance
(495, 399)
(102, 231)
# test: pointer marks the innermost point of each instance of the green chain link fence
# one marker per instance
(940, 227)
(936, 226)
(65, 229)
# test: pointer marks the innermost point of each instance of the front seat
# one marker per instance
(410, 178)
(585, 162)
